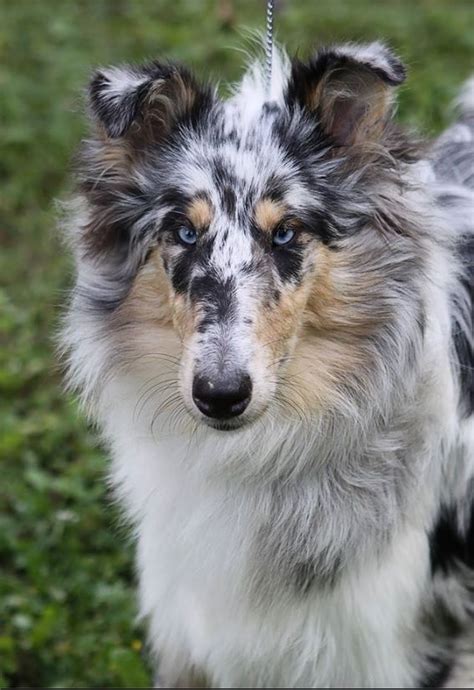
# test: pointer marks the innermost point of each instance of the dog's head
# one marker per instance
(249, 240)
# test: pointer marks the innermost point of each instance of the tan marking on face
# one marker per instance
(142, 325)
(184, 316)
(152, 302)
(150, 296)
(200, 213)
(268, 214)
(318, 372)
(341, 314)
(279, 323)
(341, 297)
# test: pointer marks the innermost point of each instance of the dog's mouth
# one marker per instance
(227, 425)
(235, 424)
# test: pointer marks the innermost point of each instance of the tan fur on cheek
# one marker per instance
(318, 371)
(343, 299)
(144, 338)
(323, 300)
(143, 324)
(279, 322)
(344, 310)
(149, 299)
(153, 303)
(183, 316)
(330, 348)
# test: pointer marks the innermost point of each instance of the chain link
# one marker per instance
(269, 46)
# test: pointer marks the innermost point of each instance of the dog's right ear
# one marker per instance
(349, 89)
(148, 100)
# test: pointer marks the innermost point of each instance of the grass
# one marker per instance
(66, 586)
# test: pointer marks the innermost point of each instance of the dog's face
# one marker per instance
(239, 238)
(239, 254)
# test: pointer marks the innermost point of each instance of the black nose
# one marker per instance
(222, 398)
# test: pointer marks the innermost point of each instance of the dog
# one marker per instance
(272, 325)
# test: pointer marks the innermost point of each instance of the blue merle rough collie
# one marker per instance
(272, 324)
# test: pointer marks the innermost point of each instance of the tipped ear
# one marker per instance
(152, 98)
(350, 88)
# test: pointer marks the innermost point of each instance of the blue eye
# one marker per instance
(187, 235)
(283, 236)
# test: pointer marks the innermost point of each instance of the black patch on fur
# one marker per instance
(319, 224)
(228, 200)
(172, 221)
(174, 197)
(224, 236)
(181, 271)
(438, 675)
(275, 188)
(309, 574)
(221, 175)
(301, 149)
(463, 334)
(442, 630)
(304, 577)
(269, 108)
(182, 268)
(100, 304)
(216, 297)
(289, 262)
(449, 545)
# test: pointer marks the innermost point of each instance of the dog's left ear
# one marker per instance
(349, 88)
(147, 101)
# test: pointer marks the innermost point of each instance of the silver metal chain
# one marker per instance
(269, 46)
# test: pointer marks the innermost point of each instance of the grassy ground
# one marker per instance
(66, 582)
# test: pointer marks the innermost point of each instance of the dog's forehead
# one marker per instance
(234, 164)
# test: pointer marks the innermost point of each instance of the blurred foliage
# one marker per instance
(66, 585)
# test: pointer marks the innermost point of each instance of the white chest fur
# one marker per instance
(200, 584)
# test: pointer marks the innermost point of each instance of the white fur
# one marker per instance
(120, 81)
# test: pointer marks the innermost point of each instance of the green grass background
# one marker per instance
(66, 581)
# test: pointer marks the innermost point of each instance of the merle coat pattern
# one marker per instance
(272, 325)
